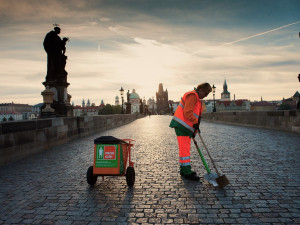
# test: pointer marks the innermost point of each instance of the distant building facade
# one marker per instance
(297, 99)
(134, 100)
(102, 105)
(173, 106)
(263, 106)
(162, 100)
(290, 102)
(88, 109)
(13, 108)
(225, 104)
(209, 106)
(296, 96)
(10, 115)
(117, 102)
(235, 105)
(36, 109)
(77, 110)
(152, 107)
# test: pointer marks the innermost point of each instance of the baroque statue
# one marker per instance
(55, 48)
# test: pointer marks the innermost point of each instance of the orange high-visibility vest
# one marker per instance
(179, 115)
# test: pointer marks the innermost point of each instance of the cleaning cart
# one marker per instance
(112, 157)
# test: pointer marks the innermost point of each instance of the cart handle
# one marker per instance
(130, 141)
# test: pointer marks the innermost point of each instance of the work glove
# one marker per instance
(196, 127)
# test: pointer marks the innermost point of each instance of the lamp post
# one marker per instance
(122, 92)
(214, 90)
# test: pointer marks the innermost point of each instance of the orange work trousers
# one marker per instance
(184, 143)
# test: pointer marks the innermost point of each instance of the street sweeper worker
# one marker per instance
(186, 123)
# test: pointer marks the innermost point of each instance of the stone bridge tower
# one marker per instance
(162, 100)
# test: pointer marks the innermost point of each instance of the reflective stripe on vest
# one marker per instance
(179, 113)
(183, 123)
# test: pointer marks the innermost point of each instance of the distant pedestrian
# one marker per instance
(186, 122)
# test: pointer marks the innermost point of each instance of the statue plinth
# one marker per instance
(61, 99)
(47, 110)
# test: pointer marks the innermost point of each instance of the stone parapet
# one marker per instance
(19, 139)
(288, 120)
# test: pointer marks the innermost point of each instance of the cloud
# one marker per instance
(114, 44)
(262, 33)
(104, 19)
(120, 30)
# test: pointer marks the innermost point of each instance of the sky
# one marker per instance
(137, 44)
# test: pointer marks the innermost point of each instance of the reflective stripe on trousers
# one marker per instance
(184, 143)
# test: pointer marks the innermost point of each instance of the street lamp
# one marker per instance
(122, 92)
(214, 90)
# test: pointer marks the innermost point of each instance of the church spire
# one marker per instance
(225, 95)
(225, 86)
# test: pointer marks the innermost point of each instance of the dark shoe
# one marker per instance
(192, 176)
(194, 173)
(186, 170)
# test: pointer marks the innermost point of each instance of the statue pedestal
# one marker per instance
(61, 98)
(62, 109)
(47, 110)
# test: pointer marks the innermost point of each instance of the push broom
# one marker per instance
(216, 179)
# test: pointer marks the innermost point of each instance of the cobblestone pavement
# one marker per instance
(263, 167)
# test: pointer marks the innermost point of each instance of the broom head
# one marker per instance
(222, 181)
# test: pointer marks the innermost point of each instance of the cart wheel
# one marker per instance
(91, 179)
(130, 176)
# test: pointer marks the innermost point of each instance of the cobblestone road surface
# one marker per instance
(263, 167)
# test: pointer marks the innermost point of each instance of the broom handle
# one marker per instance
(209, 154)
(202, 157)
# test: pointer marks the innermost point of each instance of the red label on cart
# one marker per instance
(106, 156)
(110, 152)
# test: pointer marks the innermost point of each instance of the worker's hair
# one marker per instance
(205, 87)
